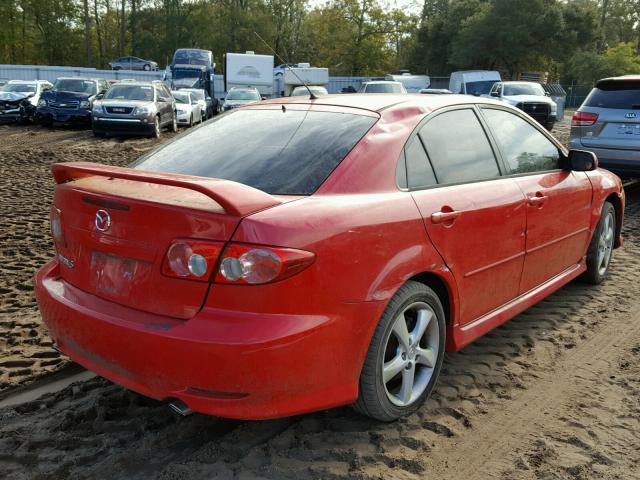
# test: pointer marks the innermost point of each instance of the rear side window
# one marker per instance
(623, 95)
(524, 148)
(458, 148)
(280, 152)
(419, 171)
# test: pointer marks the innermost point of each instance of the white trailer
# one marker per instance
(249, 70)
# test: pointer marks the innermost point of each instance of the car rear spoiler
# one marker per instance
(235, 198)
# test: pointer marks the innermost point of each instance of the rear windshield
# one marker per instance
(621, 95)
(279, 151)
(243, 95)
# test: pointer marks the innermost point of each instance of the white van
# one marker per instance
(473, 82)
(412, 83)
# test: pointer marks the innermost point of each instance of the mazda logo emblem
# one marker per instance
(103, 220)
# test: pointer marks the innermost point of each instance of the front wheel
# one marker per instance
(156, 128)
(600, 249)
(174, 124)
(405, 355)
(147, 68)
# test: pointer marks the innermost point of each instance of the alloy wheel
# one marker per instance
(605, 244)
(410, 354)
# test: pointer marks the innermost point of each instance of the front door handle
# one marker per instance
(537, 200)
(444, 217)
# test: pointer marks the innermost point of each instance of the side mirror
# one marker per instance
(582, 161)
(495, 94)
(262, 97)
(99, 96)
(208, 99)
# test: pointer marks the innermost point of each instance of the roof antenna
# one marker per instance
(311, 95)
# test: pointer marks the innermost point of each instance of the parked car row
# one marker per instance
(117, 107)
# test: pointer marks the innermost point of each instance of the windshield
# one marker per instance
(522, 89)
(384, 88)
(619, 95)
(181, 97)
(480, 88)
(192, 57)
(19, 87)
(302, 91)
(243, 95)
(276, 150)
(76, 85)
(197, 94)
(130, 92)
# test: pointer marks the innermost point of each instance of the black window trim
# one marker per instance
(502, 169)
(561, 149)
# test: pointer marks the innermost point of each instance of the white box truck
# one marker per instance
(412, 83)
(303, 73)
(249, 70)
(473, 82)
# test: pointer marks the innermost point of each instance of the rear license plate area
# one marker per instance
(114, 276)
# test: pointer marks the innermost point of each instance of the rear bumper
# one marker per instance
(230, 364)
(622, 162)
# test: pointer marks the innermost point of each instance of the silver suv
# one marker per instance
(608, 124)
(134, 108)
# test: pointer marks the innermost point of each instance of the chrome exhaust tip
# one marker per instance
(181, 408)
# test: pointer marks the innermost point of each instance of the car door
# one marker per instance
(474, 217)
(558, 201)
(164, 104)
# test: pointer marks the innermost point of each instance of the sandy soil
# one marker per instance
(552, 394)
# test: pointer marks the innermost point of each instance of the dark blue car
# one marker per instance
(70, 100)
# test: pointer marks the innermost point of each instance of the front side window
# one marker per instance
(276, 151)
(525, 149)
(458, 148)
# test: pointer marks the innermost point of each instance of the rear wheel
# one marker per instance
(147, 67)
(601, 247)
(405, 355)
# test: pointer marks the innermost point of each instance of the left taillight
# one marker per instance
(243, 264)
(191, 259)
(57, 232)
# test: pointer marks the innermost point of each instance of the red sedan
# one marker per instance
(301, 254)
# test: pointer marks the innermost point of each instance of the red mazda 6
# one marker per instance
(300, 254)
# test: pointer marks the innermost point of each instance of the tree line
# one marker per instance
(573, 40)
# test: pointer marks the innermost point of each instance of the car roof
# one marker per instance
(383, 101)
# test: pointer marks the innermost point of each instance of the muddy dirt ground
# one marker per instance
(552, 394)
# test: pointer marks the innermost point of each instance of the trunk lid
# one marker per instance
(615, 129)
(117, 226)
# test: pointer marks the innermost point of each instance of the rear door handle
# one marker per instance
(443, 217)
(537, 200)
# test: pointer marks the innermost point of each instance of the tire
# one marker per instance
(191, 121)
(418, 365)
(600, 250)
(174, 124)
(157, 128)
(147, 67)
(549, 126)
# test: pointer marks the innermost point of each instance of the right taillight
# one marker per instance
(256, 264)
(584, 119)
(191, 259)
